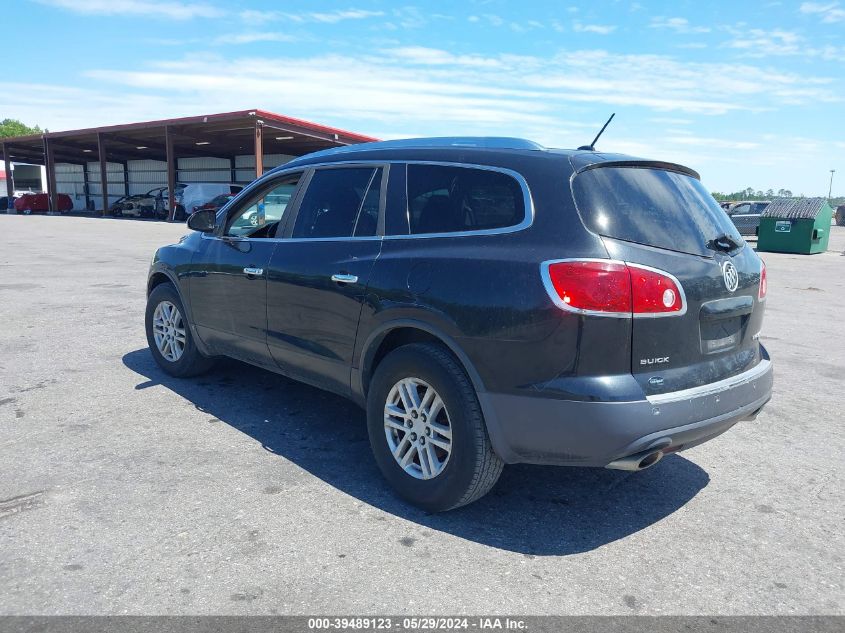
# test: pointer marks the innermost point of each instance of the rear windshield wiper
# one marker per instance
(722, 242)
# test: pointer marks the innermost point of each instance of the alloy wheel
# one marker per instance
(418, 429)
(169, 331)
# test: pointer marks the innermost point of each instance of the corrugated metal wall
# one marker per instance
(204, 170)
(71, 180)
(145, 175)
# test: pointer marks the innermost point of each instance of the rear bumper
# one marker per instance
(538, 430)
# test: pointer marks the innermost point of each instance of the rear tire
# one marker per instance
(451, 479)
(169, 335)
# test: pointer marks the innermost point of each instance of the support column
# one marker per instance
(171, 173)
(125, 178)
(104, 171)
(50, 166)
(259, 148)
(10, 186)
(86, 186)
(233, 173)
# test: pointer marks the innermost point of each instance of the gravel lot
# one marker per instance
(125, 491)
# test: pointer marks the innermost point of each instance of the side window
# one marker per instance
(340, 202)
(741, 208)
(446, 199)
(260, 213)
(367, 222)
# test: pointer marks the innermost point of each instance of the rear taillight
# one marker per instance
(655, 292)
(589, 286)
(612, 288)
(764, 284)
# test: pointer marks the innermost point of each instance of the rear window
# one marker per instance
(447, 199)
(655, 207)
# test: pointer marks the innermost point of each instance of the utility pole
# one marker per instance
(830, 189)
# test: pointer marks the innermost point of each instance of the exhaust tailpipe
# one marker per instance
(637, 461)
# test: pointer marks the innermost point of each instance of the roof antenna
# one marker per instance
(592, 146)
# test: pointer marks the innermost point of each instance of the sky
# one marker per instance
(749, 94)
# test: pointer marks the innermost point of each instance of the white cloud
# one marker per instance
(600, 29)
(419, 55)
(777, 42)
(440, 92)
(411, 17)
(493, 19)
(146, 8)
(327, 17)
(251, 38)
(517, 27)
(671, 121)
(830, 12)
(679, 25)
(715, 143)
(760, 43)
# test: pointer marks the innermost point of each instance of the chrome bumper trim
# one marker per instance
(755, 372)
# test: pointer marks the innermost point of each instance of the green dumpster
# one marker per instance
(795, 225)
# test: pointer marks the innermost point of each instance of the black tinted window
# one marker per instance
(333, 200)
(444, 199)
(651, 206)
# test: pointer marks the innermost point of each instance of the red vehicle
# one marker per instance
(30, 202)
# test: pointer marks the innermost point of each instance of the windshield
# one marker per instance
(655, 207)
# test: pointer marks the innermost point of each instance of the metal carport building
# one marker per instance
(118, 160)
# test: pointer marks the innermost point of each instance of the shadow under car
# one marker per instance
(533, 510)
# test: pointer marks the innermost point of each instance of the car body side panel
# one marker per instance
(174, 262)
(313, 320)
(231, 305)
(497, 309)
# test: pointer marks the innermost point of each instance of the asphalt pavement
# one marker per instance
(125, 491)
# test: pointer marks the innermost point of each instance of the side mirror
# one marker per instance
(204, 221)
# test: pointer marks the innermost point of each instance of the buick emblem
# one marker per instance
(731, 275)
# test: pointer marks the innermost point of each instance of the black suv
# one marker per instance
(488, 301)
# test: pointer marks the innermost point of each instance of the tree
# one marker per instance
(13, 127)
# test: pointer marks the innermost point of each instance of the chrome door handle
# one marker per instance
(345, 279)
(253, 271)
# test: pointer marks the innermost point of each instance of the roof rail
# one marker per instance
(488, 142)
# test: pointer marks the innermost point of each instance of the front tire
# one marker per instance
(169, 335)
(427, 431)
